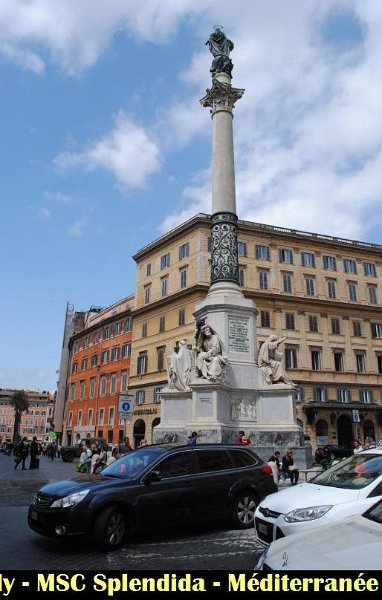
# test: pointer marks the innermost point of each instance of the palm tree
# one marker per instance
(20, 403)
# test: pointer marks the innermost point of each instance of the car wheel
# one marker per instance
(110, 528)
(243, 510)
(68, 457)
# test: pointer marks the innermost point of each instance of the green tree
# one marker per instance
(20, 403)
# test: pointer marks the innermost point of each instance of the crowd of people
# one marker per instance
(25, 449)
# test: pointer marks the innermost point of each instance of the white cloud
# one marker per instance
(26, 59)
(44, 213)
(76, 229)
(58, 197)
(128, 152)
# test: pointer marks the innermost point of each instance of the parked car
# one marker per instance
(354, 544)
(158, 485)
(69, 453)
(345, 489)
(337, 452)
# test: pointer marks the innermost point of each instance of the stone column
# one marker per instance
(224, 255)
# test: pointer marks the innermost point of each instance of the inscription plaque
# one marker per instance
(205, 405)
(238, 334)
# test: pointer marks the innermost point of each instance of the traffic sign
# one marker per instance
(126, 406)
(356, 418)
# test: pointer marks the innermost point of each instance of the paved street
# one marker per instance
(204, 548)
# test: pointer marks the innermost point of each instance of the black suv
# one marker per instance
(69, 453)
(164, 484)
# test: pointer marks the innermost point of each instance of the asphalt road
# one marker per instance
(215, 547)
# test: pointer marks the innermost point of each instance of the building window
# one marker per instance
(338, 361)
(350, 266)
(262, 252)
(157, 392)
(183, 277)
(242, 248)
(291, 358)
(84, 364)
(75, 347)
(113, 383)
(162, 324)
(361, 362)
(111, 416)
(90, 416)
(146, 294)
(94, 360)
(73, 391)
(263, 280)
(148, 269)
(379, 362)
(286, 255)
(128, 325)
(142, 363)
(70, 421)
(376, 330)
(309, 286)
(79, 418)
(115, 353)
(308, 259)
(182, 317)
(96, 337)
(336, 330)
(289, 321)
(126, 350)
(184, 251)
(352, 289)
(332, 291)
(106, 332)
(124, 381)
(287, 283)
(366, 396)
(86, 341)
(82, 390)
(101, 416)
(103, 385)
(74, 367)
(265, 318)
(369, 269)
(316, 360)
(357, 328)
(165, 261)
(373, 299)
(140, 397)
(160, 357)
(320, 394)
(329, 262)
(344, 395)
(313, 323)
(104, 356)
(92, 387)
(164, 286)
(242, 276)
(144, 330)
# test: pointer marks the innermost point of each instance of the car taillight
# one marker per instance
(267, 469)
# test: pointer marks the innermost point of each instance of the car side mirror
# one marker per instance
(152, 476)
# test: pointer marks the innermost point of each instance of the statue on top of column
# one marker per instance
(220, 47)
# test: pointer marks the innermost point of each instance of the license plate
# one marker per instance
(262, 528)
(34, 515)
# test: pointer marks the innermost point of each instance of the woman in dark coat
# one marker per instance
(34, 452)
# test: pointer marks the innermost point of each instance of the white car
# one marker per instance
(354, 544)
(348, 488)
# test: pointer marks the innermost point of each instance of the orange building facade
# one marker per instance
(99, 364)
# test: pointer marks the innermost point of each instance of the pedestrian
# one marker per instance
(357, 447)
(35, 453)
(242, 440)
(124, 447)
(289, 468)
(21, 453)
(192, 438)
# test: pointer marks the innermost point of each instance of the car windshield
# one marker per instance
(132, 464)
(353, 473)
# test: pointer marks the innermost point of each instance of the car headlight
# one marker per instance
(307, 514)
(261, 560)
(71, 500)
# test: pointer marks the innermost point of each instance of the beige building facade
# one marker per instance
(323, 292)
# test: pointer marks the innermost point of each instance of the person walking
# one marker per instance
(289, 468)
(22, 453)
(34, 453)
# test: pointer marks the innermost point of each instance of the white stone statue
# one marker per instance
(210, 354)
(179, 368)
(271, 362)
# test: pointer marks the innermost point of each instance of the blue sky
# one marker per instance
(104, 145)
